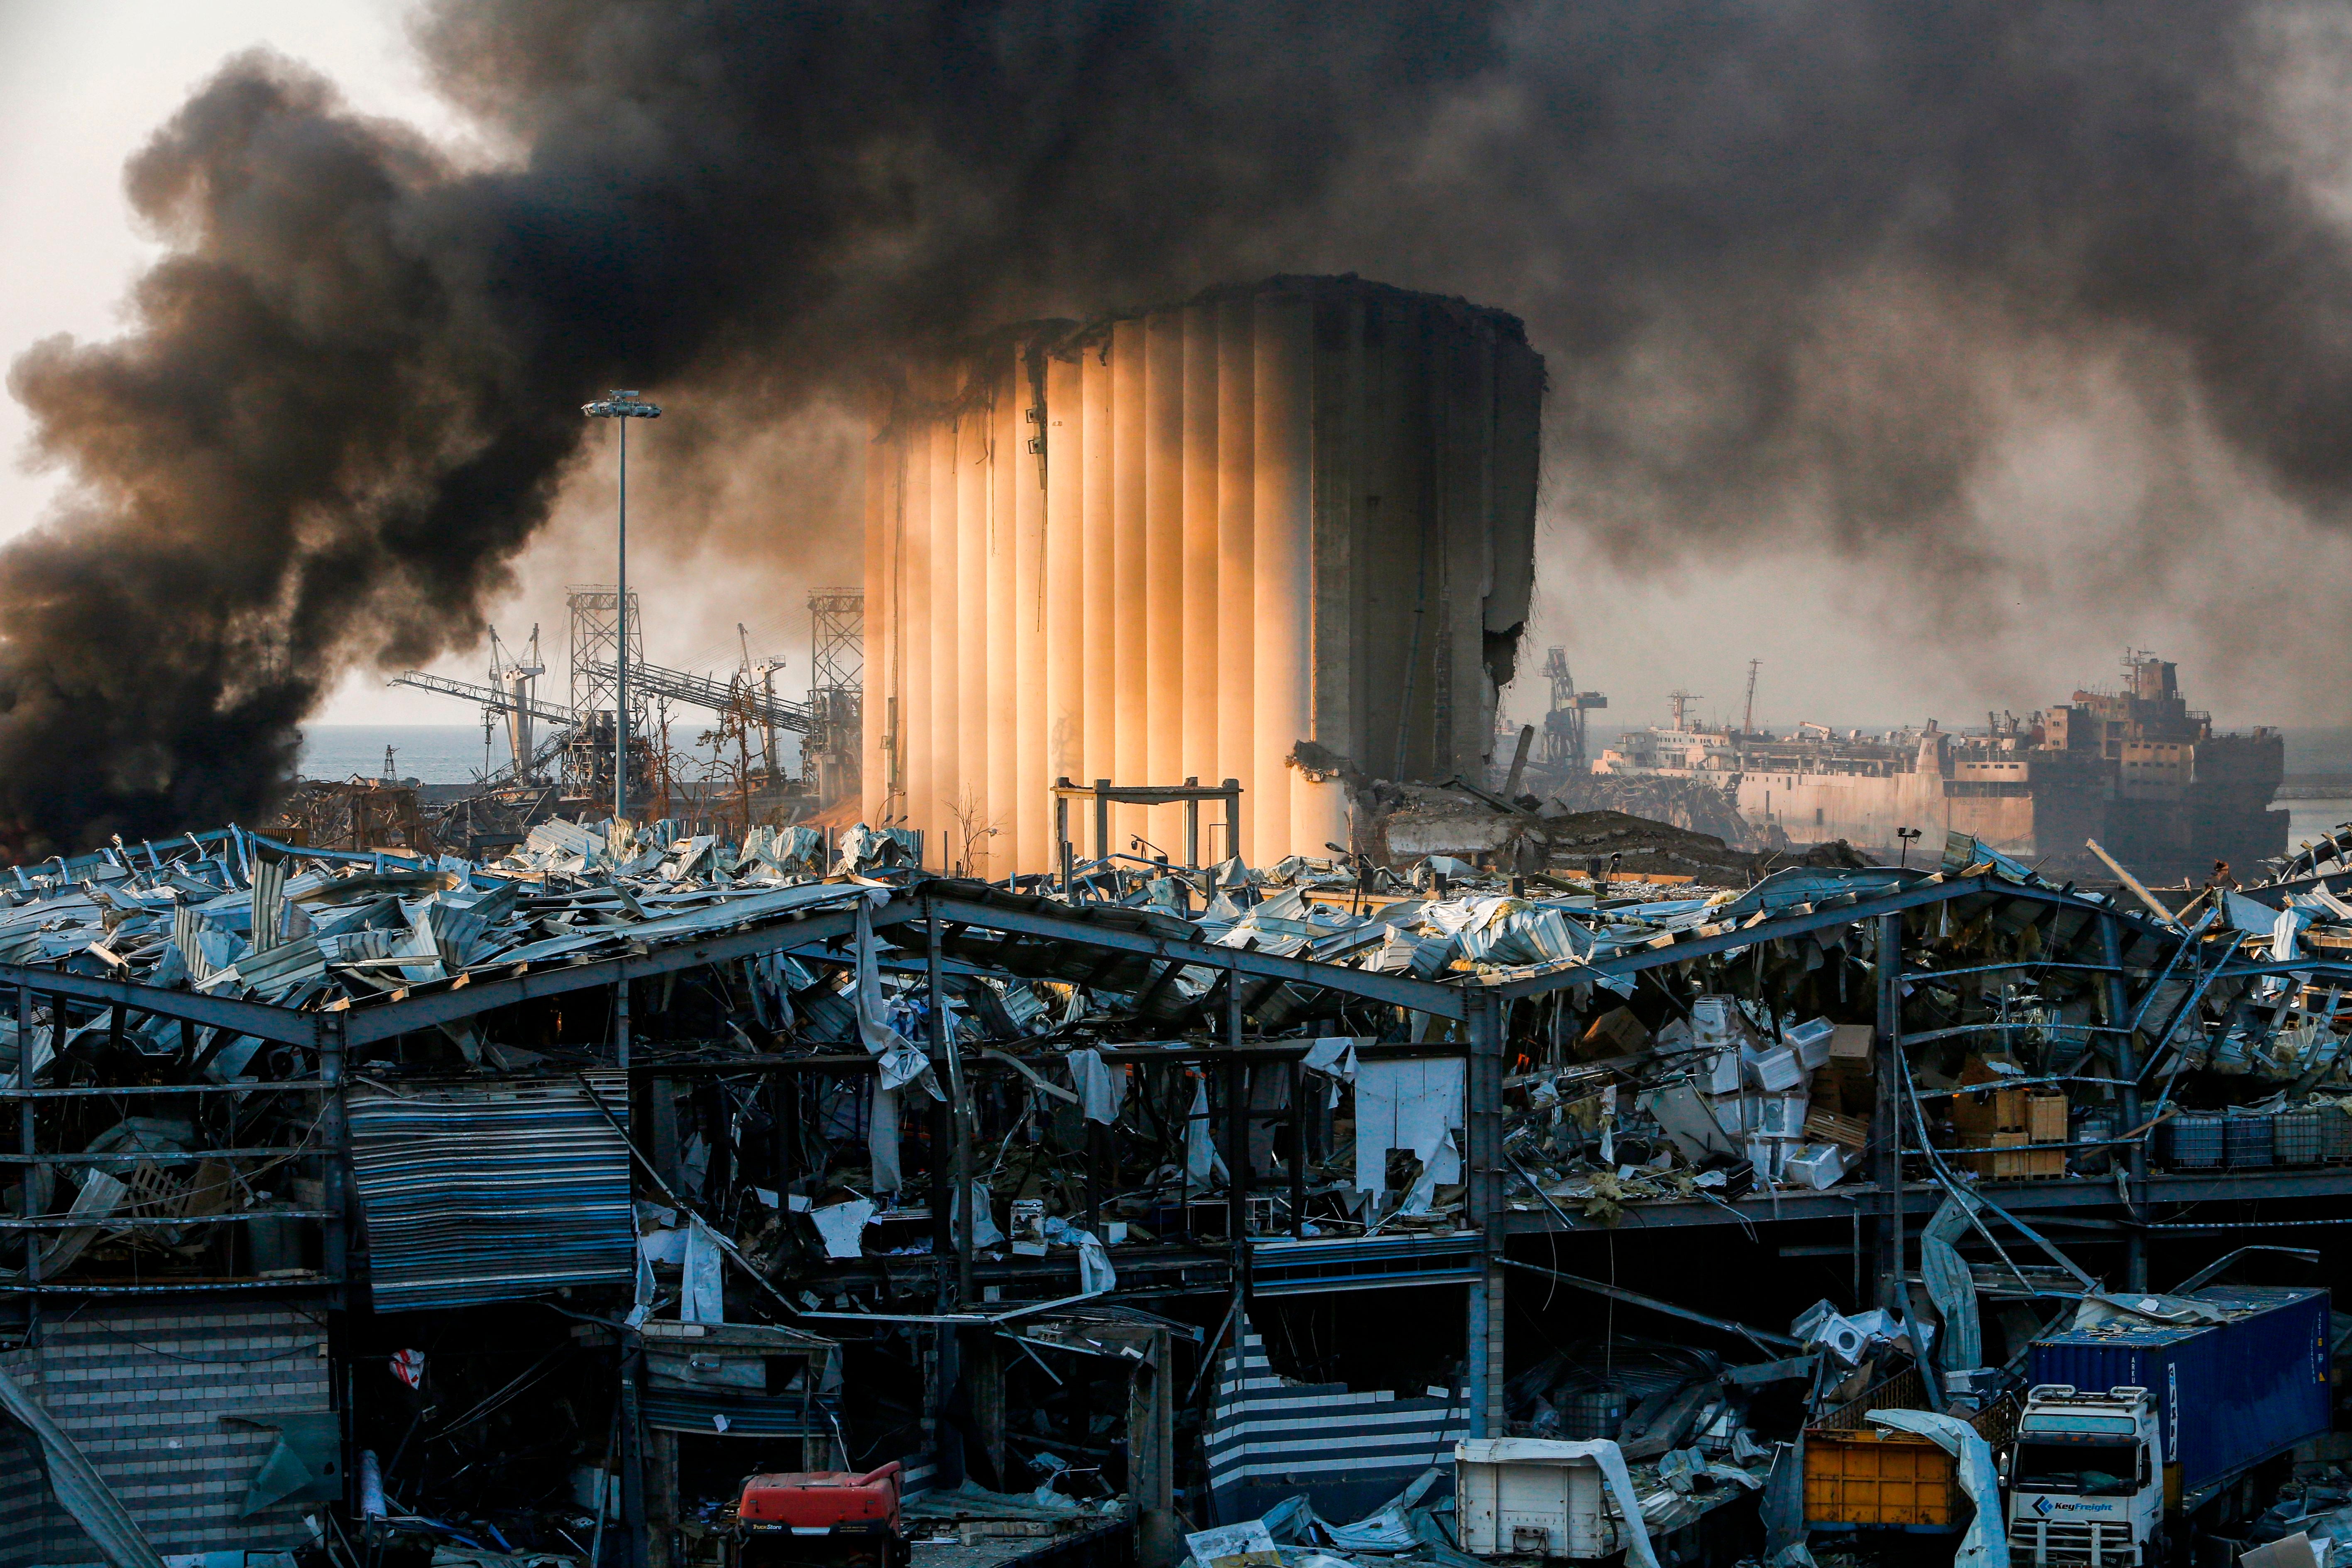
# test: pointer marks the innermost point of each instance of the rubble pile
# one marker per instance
(783, 1117)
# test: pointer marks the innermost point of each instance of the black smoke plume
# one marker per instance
(1777, 254)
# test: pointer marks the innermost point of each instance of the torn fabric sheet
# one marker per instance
(1101, 1086)
(701, 1296)
(901, 1061)
(1408, 1105)
(882, 1138)
(1094, 1275)
(1201, 1160)
(983, 1222)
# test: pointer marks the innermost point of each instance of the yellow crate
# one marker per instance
(1870, 1477)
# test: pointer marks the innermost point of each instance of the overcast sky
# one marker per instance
(82, 84)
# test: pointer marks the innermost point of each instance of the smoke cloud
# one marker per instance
(1806, 269)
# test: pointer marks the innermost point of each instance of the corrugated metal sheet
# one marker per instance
(748, 1415)
(490, 1194)
(1269, 1438)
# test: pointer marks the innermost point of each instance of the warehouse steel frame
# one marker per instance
(1478, 1003)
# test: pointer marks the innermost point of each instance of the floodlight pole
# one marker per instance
(623, 406)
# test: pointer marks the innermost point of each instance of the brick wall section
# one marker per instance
(144, 1390)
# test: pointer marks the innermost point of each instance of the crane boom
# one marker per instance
(719, 696)
(490, 697)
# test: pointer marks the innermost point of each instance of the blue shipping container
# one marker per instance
(2228, 1394)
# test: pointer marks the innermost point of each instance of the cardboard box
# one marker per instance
(1827, 1088)
(2026, 1163)
(1616, 1033)
(2046, 1115)
(1851, 1042)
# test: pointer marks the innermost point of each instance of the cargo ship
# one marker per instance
(2136, 768)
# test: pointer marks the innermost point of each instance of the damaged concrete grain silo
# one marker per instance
(1180, 543)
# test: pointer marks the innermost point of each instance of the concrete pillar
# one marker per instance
(1130, 562)
(947, 654)
(1098, 568)
(1064, 549)
(966, 791)
(1163, 566)
(1236, 551)
(1032, 842)
(999, 854)
(1197, 756)
(1283, 558)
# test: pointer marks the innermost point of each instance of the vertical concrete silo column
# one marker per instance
(912, 443)
(1064, 545)
(1197, 757)
(1284, 557)
(1129, 594)
(1236, 550)
(929, 811)
(1163, 565)
(1030, 845)
(1099, 569)
(1318, 808)
(966, 790)
(885, 616)
(997, 853)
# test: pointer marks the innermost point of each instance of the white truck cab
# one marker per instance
(2086, 1479)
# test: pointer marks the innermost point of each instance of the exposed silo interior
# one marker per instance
(1176, 544)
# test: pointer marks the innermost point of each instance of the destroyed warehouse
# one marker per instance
(1244, 1131)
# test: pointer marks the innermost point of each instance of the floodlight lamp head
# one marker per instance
(620, 404)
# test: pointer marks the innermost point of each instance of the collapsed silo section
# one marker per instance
(1281, 533)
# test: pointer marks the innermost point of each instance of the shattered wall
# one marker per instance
(1177, 543)
(154, 1395)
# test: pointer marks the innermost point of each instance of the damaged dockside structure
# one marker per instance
(650, 1199)
(1072, 1166)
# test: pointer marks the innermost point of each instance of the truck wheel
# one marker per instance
(2157, 1552)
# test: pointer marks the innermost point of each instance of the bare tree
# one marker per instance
(972, 832)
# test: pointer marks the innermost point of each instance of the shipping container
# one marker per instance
(2228, 1394)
